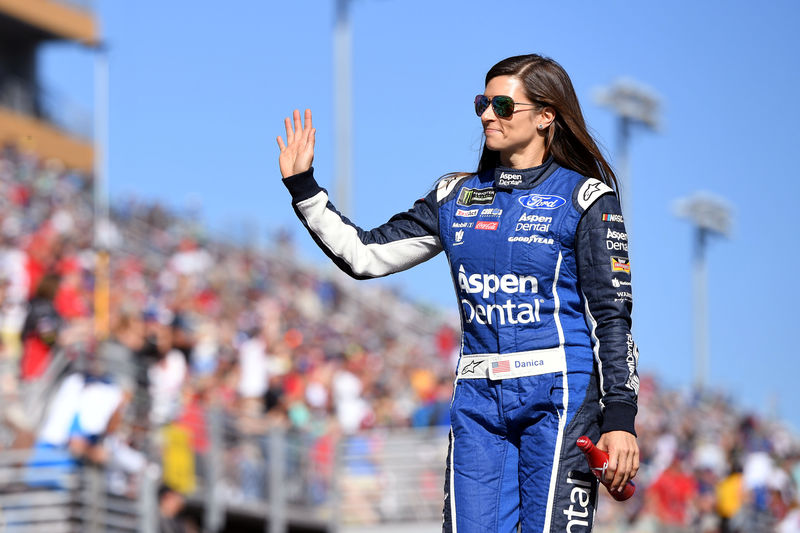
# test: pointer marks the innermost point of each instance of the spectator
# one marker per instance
(40, 330)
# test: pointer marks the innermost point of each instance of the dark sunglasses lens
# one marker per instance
(481, 103)
(503, 106)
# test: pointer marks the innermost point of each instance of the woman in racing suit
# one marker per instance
(538, 253)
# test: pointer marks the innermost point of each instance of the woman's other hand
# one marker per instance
(297, 153)
(623, 457)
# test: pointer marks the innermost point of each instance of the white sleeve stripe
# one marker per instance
(596, 349)
(364, 259)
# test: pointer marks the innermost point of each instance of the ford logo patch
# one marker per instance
(541, 201)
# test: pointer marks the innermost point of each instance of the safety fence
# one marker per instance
(281, 479)
(46, 490)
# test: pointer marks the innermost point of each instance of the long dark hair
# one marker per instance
(568, 141)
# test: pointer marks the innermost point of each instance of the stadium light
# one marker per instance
(711, 216)
(635, 106)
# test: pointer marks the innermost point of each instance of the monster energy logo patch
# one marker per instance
(469, 196)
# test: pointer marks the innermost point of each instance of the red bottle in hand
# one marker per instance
(598, 462)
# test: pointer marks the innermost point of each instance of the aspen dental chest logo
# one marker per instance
(509, 312)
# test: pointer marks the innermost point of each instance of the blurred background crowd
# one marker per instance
(204, 333)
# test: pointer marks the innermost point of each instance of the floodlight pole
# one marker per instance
(700, 323)
(343, 94)
(710, 216)
(100, 189)
(634, 106)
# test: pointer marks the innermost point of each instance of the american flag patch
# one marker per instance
(501, 366)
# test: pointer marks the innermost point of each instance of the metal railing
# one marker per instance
(327, 480)
(46, 490)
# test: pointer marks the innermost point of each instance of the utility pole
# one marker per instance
(710, 216)
(343, 91)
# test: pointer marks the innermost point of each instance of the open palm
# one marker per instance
(297, 153)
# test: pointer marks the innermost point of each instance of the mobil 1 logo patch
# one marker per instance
(469, 196)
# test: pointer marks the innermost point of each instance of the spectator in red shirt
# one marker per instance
(670, 497)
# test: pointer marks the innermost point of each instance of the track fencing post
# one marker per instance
(276, 479)
(214, 519)
(148, 499)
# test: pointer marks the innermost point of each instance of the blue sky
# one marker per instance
(198, 93)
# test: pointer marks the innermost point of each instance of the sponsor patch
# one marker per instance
(462, 224)
(591, 190)
(466, 212)
(535, 218)
(531, 239)
(468, 197)
(613, 217)
(487, 225)
(580, 498)
(623, 296)
(507, 179)
(632, 359)
(459, 239)
(471, 367)
(619, 283)
(620, 264)
(542, 201)
(491, 212)
(613, 238)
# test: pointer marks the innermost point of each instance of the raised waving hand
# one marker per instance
(297, 153)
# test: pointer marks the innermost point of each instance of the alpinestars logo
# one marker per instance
(590, 190)
(471, 368)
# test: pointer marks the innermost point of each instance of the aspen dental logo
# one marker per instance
(542, 201)
(486, 285)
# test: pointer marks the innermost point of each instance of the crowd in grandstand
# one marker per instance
(204, 333)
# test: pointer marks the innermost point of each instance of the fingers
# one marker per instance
(295, 128)
(623, 465)
(289, 131)
(623, 458)
(622, 472)
(280, 143)
(298, 126)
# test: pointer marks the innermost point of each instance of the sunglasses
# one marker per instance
(503, 106)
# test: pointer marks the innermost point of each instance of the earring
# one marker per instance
(540, 126)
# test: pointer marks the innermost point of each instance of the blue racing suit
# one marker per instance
(539, 260)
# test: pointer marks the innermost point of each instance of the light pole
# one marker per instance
(634, 105)
(710, 216)
(101, 220)
(343, 91)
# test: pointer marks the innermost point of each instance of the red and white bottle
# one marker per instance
(598, 462)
